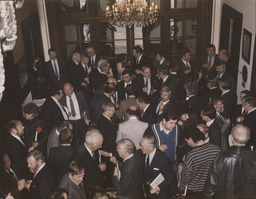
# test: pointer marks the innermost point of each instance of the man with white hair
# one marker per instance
(87, 155)
(233, 173)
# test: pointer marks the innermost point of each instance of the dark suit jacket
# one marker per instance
(93, 175)
(109, 132)
(83, 106)
(149, 116)
(76, 75)
(52, 114)
(167, 107)
(96, 105)
(53, 82)
(157, 64)
(42, 184)
(215, 134)
(204, 60)
(229, 101)
(215, 92)
(182, 68)
(250, 121)
(139, 82)
(171, 84)
(159, 164)
(179, 82)
(74, 191)
(120, 90)
(10, 184)
(59, 159)
(130, 184)
(17, 153)
(231, 79)
(144, 61)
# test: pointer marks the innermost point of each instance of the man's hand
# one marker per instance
(104, 153)
(84, 84)
(163, 147)
(21, 184)
(115, 172)
(155, 190)
(187, 71)
(9, 196)
(113, 160)
(31, 148)
(35, 144)
(102, 167)
(145, 89)
(180, 167)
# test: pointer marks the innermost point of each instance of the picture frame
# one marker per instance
(246, 46)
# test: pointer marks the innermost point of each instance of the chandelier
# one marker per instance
(126, 13)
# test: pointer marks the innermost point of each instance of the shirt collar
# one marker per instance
(40, 168)
(128, 157)
(209, 123)
(132, 117)
(18, 138)
(225, 92)
(165, 78)
(89, 150)
(251, 110)
(144, 110)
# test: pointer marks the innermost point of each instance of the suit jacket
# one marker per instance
(149, 116)
(42, 184)
(250, 121)
(52, 114)
(182, 69)
(159, 164)
(120, 90)
(139, 81)
(82, 104)
(215, 92)
(231, 78)
(157, 64)
(93, 175)
(59, 159)
(76, 74)
(130, 184)
(224, 128)
(215, 134)
(229, 101)
(124, 105)
(171, 84)
(96, 105)
(195, 109)
(53, 82)
(132, 129)
(179, 82)
(144, 61)
(109, 132)
(17, 153)
(74, 191)
(10, 184)
(169, 106)
(204, 60)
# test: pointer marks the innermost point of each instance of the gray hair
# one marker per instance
(74, 56)
(101, 60)
(166, 89)
(104, 66)
(92, 137)
(240, 134)
(250, 100)
(144, 68)
(126, 145)
(150, 140)
(108, 105)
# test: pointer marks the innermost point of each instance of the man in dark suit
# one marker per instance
(213, 90)
(88, 156)
(160, 61)
(208, 115)
(229, 98)
(16, 149)
(53, 112)
(143, 81)
(185, 67)
(128, 176)
(79, 113)
(94, 58)
(156, 162)
(249, 104)
(59, 157)
(99, 100)
(148, 113)
(56, 71)
(42, 182)
(109, 132)
(73, 181)
(140, 59)
(208, 61)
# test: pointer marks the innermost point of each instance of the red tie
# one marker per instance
(34, 175)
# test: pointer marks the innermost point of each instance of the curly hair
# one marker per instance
(31, 108)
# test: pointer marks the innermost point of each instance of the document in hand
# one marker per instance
(157, 181)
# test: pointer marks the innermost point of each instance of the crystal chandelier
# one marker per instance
(126, 13)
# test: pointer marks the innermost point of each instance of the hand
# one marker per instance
(109, 75)
(187, 71)
(155, 190)
(9, 196)
(161, 107)
(229, 121)
(35, 144)
(239, 119)
(84, 84)
(113, 160)
(28, 183)
(102, 167)
(104, 153)
(163, 147)
(21, 184)
(31, 148)
(69, 114)
(88, 121)
(205, 65)
(180, 167)
(115, 172)
(145, 89)
(180, 122)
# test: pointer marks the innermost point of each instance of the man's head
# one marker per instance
(210, 50)
(224, 84)
(143, 101)
(163, 72)
(120, 67)
(6, 161)
(66, 136)
(240, 134)
(110, 89)
(220, 68)
(208, 113)
(170, 120)
(129, 90)
(68, 89)
(137, 51)
(59, 193)
(15, 127)
(146, 72)
(31, 111)
(125, 148)
(57, 94)
(249, 102)
(183, 109)
(90, 51)
(224, 55)
(204, 129)
(76, 172)
(108, 109)
(85, 59)
(112, 80)
(76, 57)
(127, 76)
(217, 103)
(104, 67)
(166, 93)
(159, 55)
(244, 93)
(35, 159)
(186, 55)
(65, 125)
(191, 87)
(52, 53)
(148, 144)
(133, 111)
(212, 83)
(193, 135)
(93, 139)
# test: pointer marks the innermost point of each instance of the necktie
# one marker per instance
(218, 76)
(244, 113)
(147, 162)
(92, 62)
(137, 61)
(56, 70)
(34, 175)
(187, 65)
(210, 64)
(146, 83)
(73, 112)
(93, 155)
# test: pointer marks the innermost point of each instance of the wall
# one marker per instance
(248, 9)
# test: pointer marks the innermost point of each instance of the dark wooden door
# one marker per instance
(230, 34)
(253, 78)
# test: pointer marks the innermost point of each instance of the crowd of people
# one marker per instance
(135, 129)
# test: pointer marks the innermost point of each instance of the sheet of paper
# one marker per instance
(157, 181)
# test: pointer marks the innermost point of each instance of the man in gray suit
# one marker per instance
(132, 129)
(73, 181)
